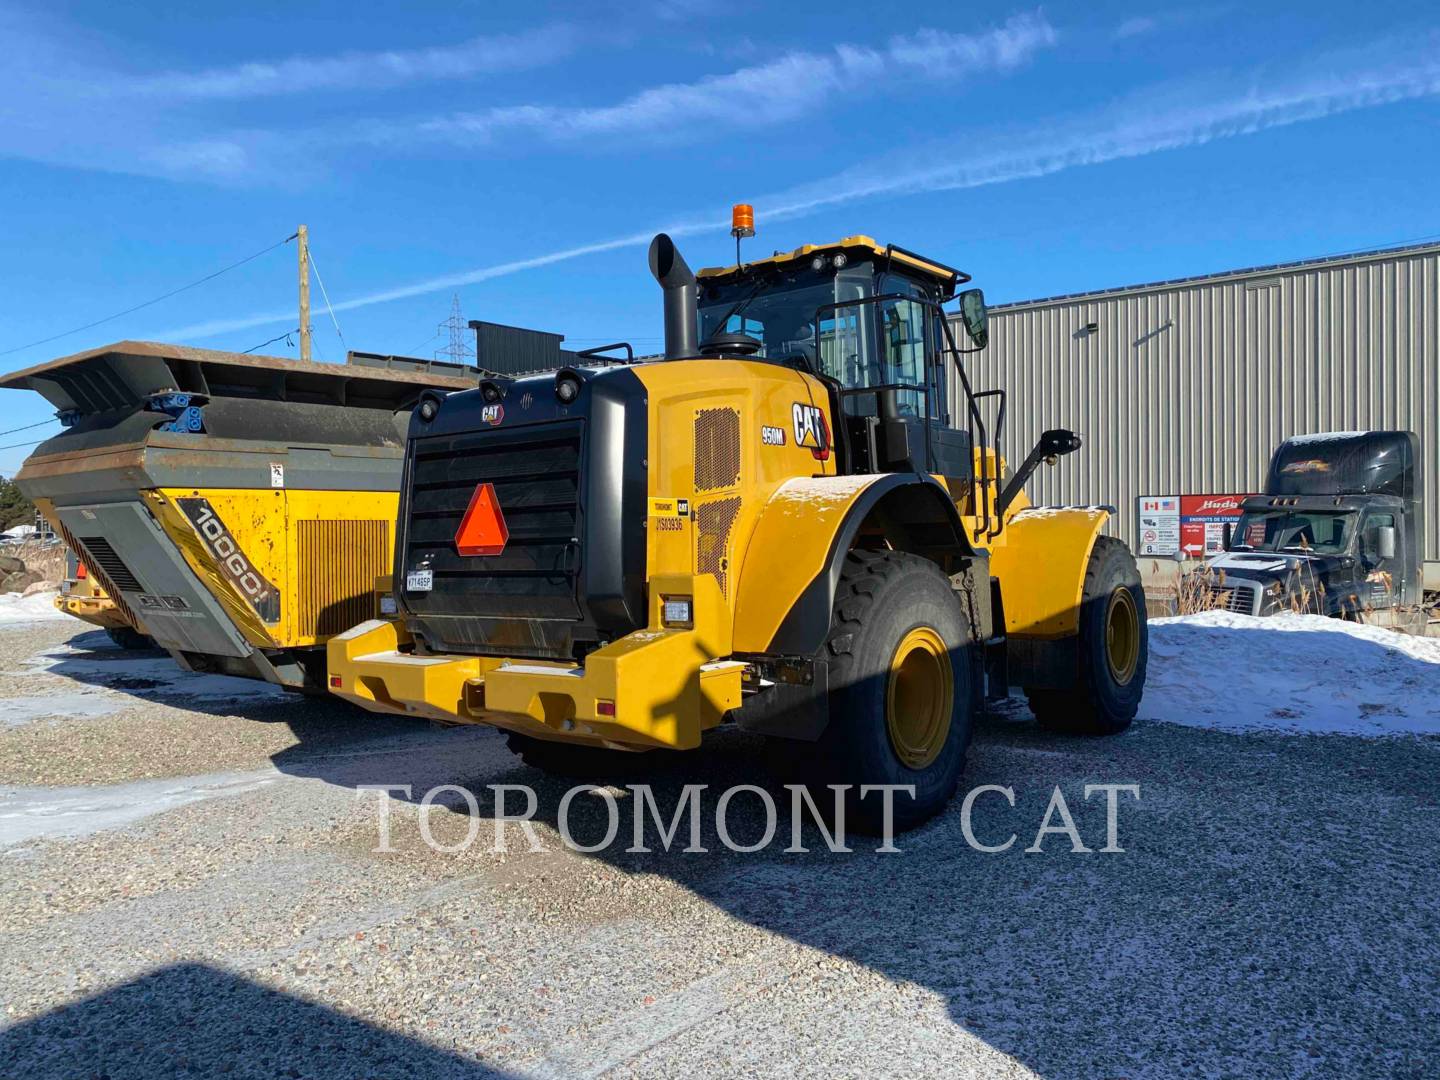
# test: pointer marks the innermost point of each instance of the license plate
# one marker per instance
(419, 581)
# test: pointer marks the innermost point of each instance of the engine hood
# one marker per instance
(1271, 565)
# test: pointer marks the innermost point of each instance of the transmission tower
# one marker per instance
(460, 350)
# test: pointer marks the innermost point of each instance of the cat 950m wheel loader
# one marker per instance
(798, 521)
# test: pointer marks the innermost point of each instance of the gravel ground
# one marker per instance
(191, 889)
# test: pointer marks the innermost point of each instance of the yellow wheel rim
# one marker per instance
(919, 697)
(1122, 636)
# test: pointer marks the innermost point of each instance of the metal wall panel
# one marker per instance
(1187, 386)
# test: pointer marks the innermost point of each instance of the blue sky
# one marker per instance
(522, 155)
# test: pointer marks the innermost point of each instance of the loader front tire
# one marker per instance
(1113, 649)
(902, 681)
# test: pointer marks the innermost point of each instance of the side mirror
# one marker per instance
(973, 315)
(1225, 536)
(1385, 541)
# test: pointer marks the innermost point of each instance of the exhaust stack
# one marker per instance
(682, 332)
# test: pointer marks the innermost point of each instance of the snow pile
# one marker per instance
(15, 608)
(1298, 673)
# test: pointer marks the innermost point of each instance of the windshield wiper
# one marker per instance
(736, 309)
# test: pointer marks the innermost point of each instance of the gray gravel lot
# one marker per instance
(197, 894)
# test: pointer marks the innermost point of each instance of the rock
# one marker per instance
(18, 582)
(11, 565)
(42, 586)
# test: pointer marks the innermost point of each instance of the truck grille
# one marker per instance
(1240, 599)
(536, 475)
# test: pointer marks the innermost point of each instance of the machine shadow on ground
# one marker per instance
(196, 1020)
(1226, 934)
(1162, 956)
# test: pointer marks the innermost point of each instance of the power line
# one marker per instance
(427, 341)
(148, 303)
(27, 427)
(316, 268)
(277, 337)
(16, 446)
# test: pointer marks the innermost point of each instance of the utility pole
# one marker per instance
(303, 236)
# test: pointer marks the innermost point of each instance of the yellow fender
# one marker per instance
(1040, 559)
(793, 561)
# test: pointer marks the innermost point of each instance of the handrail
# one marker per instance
(598, 349)
(999, 455)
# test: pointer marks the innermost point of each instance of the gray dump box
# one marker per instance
(238, 509)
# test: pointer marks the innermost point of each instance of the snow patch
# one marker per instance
(18, 711)
(33, 813)
(1291, 673)
(1324, 437)
(147, 676)
(38, 607)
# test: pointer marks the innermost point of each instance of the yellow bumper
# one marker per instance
(97, 610)
(653, 688)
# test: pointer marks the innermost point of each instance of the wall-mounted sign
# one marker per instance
(1194, 525)
(1159, 525)
(1202, 522)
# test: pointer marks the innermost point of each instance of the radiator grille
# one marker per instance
(717, 449)
(713, 521)
(338, 564)
(536, 475)
(93, 566)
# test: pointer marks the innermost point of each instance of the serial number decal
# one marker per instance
(262, 595)
(772, 436)
(670, 508)
(172, 606)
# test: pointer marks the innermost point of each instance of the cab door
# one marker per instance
(1382, 576)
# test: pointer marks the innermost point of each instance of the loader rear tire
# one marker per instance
(576, 761)
(1113, 648)
(902, 691)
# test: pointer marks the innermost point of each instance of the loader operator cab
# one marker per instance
(867, 320)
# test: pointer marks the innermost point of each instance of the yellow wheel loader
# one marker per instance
(798, 521)
(85, 598)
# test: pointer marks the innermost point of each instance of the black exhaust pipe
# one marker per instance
(682, 331)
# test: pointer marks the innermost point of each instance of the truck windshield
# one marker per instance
(1291, 530)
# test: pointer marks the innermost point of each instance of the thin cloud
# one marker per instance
(368, 70)
(780, 90)
(1138, 130)
(1137, 26)
(1132, 132)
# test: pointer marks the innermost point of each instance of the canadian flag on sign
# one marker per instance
(482, 530)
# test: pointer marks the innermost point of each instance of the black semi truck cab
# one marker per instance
(1337, 531)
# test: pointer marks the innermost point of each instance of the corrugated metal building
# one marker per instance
(1187, 386)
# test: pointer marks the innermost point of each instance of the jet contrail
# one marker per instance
(1042, 154)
